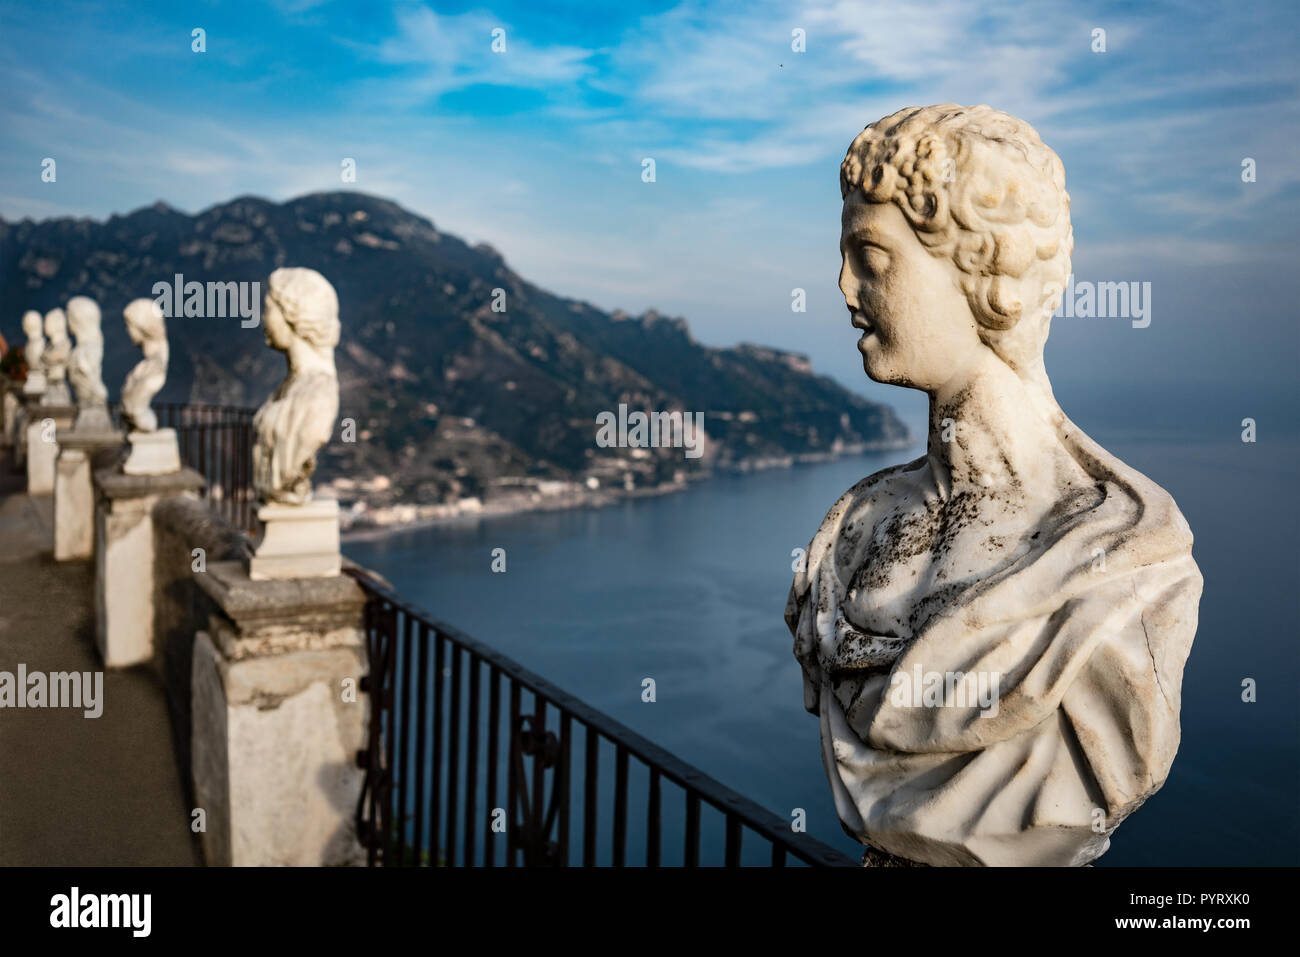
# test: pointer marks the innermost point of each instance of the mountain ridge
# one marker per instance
(450, 397)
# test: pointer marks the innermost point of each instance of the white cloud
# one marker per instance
(451, 52)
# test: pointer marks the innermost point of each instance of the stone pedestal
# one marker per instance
(43, 425)
(124, 557)
(56, 393)
(74, 494)
(35, 384)
(93, 418)
(277, 718)
(152, 453)
(298, 541)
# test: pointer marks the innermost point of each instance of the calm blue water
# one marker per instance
(690, 589)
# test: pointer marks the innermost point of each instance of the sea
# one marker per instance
(688, 590)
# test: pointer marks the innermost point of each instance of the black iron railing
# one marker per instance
(453, 722)
(470, 758)
(217, 442)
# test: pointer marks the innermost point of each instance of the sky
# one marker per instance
(539, 148)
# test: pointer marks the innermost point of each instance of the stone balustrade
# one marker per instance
(261, 677)
(261, 650)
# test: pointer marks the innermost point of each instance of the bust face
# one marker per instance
(918, 328)
(56, 325)
(83, 317)
(275, 327)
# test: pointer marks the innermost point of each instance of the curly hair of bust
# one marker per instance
(308, 302)
(83, 316)
(146, 317)
(978, 186)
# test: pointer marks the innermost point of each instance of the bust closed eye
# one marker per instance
(875, 259)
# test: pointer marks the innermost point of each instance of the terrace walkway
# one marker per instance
(73, 790)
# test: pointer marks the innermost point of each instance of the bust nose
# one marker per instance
(848, 287)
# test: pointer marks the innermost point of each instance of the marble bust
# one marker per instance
(34, 330)
(86, 363)
(147, 328)
(300, 318)
(992, 636)
(300, 534)
(54, 359)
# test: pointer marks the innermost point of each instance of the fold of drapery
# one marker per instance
(1088, 655)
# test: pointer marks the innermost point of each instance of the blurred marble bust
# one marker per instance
(34, 330)
(300, 318)
(86, 364)
(993, 636)
(54, 359)
(147, 328)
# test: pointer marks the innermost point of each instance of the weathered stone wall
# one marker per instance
(181, 608)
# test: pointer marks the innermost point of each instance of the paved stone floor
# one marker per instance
(76, 790)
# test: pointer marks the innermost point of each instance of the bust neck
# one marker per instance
(987, 431)
(155, 349)
(304, 360)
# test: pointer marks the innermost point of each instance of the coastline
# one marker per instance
(576, 496)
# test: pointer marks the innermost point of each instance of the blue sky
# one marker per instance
(538, 150)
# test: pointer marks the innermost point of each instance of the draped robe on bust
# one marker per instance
(291, 427)
(1089, 648)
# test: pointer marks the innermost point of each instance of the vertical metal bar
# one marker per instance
(403, 714)
(471, 759)
(512, 785)
(692, 850)
(453, 758)
(200, 430)
(375, 684)
(733, 840)
(566, 733)
(213, 429)
(203, 452)
(435, 795)
(390, 678)
(421, 735)
(219, 449)
(227, 468)
(241, 474)
(620, 807)
(214, 483)
(241, 450)
(232, 491)
(249, 503)
(652, 821)
(210, 447)
(218, 482)
(494, 724)
(204, 432)
(539, 773)
(218, 485)
(589, 799)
